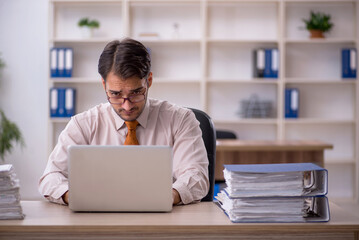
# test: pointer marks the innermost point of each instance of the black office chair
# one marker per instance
(209, 138)
(224, 134)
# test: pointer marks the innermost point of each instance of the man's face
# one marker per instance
(117, 87)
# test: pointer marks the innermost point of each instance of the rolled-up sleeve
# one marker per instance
(54, 181)
(190, 162)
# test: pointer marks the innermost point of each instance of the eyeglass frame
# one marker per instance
(129, 97)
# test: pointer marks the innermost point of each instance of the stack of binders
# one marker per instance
(290, 192)
(10, 207)
(61, 62)
(265, 63)
(62, 102)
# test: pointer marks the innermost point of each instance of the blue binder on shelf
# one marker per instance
(291, 103)
(68, 62)
(271, 63)
(349, 63)
(70, 95)
(53, 63)
(62, 102)
(54, 103)
(61, 62)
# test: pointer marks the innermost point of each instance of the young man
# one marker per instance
(130, 118)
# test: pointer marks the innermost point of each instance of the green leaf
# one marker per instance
(85, 22)
(9, 134)
(318, 21)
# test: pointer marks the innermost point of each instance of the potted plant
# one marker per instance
(318, 23)
(87, 26)
(9, 132)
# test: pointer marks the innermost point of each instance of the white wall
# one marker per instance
(23, 85)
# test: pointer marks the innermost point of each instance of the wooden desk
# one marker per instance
(252, 152)
(205, 220)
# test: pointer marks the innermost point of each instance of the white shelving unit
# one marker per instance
(206, 63)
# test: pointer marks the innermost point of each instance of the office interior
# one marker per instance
(202, 53)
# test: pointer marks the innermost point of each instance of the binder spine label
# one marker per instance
(260, 59)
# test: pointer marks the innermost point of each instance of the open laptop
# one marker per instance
(120, 178)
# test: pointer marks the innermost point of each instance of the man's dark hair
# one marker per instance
(127, 58)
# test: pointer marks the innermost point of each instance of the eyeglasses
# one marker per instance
(116, 98)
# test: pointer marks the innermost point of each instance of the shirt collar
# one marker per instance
(142, 119)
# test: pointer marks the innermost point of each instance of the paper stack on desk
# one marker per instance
(292, 192)
(10, 207)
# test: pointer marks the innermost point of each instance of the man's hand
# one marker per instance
(175, 195)
(65, 197)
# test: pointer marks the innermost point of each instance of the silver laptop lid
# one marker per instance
(120, 178)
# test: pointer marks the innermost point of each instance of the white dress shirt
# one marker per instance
(161, 123)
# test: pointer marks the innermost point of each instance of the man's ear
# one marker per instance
(149, 79)
(103, 84)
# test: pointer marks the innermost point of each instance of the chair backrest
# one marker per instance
(209, 138)
(223, 134)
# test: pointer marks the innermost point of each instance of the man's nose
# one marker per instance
(127, 105)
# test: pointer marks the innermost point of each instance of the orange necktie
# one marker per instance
(131, 138)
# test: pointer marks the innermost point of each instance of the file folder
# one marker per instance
(68, 62)
(54, 105)
(305, 179)
(275, 209)
(288, 192)
(258, 63)
(70, 102)
(349, 63)
(271, 63)
(291, 103)
(62, 102)
(275, 63)
(61, 62)
(53, 63)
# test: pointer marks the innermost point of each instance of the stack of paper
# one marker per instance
(275, 193)
(10, 207)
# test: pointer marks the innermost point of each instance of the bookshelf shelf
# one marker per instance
(75, 80)
(59, 120)
(321, 41)
(319, 81)
(319, 121)
(340, 161)
(208, 59)
(244, 81)
(242, 41)
(270, 121)
(81, 40)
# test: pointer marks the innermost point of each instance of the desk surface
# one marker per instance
(202, 219)
(284, 145)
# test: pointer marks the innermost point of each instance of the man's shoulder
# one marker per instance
(165, 107)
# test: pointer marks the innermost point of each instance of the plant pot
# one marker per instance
(316, 34)
(86, 32)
